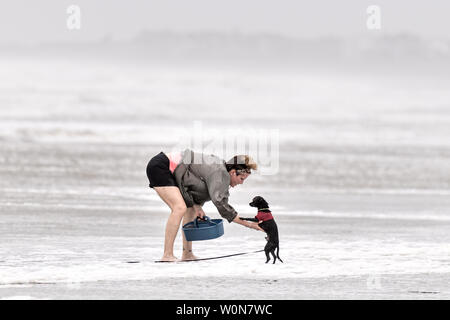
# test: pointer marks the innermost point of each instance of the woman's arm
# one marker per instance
(218, 183)
(201, 214)
(250, 219)
(248, 224)
(199, 211)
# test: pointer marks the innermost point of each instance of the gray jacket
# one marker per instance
(202, 178)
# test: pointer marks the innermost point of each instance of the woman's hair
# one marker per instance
(242, 164)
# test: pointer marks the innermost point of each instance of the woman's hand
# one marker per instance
(199, 211)
(254, 225)
(248, 224)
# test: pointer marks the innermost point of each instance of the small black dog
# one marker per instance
(268, 225)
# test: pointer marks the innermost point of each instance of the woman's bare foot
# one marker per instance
(171, 258)
(188, 255)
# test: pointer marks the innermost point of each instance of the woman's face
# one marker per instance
(237, 179)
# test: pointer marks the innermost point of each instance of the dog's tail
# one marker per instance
(278, 251)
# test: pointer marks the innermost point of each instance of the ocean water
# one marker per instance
(360, 187)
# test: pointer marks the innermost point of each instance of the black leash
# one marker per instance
(220, 257)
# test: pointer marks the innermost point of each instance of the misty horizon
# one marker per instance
(22, 22)
(400, 51)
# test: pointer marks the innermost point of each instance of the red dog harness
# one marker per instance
(264, 216)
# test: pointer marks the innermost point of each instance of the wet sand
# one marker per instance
(57, 252)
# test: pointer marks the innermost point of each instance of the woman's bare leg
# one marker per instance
(172, 197)
(187, 245)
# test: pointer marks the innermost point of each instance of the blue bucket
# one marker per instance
(203, 229)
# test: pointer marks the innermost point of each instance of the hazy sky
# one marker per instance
(25, 21)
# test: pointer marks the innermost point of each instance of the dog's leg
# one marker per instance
(268, 257)
(267, 250)
(273, 254)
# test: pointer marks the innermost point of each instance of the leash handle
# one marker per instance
(205, 218)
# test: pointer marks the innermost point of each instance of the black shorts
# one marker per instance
(158, 172)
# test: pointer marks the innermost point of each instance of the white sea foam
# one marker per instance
(302, 259)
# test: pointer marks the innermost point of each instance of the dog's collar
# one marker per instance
(263, 209)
